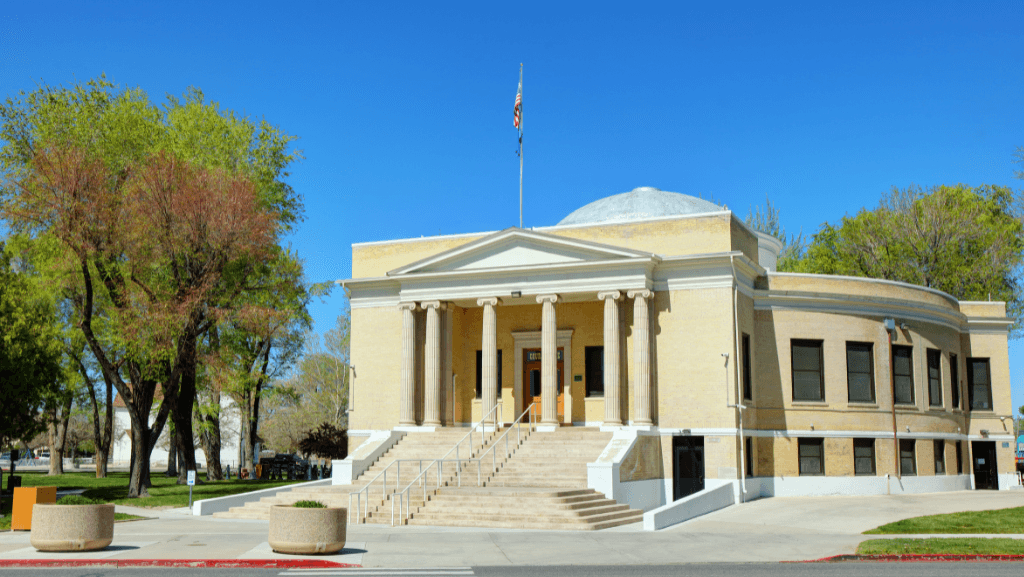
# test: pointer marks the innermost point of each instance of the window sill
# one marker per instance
(904, 407)
(984, 412)
(594, 397)
(937, 410)
(862, 405)
(810, 404)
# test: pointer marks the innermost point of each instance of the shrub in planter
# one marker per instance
(307, 528)
(74, 523)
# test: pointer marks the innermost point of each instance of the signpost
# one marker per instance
(191, 483)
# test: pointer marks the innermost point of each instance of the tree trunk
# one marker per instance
(172, 455)
(142, 448)
(107, 435)
(58, 436)
(181, 412)
(211, 439)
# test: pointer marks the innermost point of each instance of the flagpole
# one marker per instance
(520, 151)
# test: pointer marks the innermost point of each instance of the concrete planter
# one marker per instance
(300, 531)
(71, 527)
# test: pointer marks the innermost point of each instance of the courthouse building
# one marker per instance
(660, 317)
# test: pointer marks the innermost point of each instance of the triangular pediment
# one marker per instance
(516, 248)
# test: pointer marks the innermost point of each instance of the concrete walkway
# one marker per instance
(779, 529)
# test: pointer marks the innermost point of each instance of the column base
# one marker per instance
(415, 429)
(547, 428)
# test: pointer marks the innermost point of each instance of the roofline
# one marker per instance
(867, 279)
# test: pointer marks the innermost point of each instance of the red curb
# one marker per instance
(931, 558)
(191, 563)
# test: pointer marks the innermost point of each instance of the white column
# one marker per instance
(407, 402)
(489, 355)
(612, 382)
(548, 361)
(432, 366)
(642, 392)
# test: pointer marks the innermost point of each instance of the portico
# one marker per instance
(531, 265)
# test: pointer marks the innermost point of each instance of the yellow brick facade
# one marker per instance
(696, 318)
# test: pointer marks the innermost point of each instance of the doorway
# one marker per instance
(532, 381)
(983, 455)
(687, 466)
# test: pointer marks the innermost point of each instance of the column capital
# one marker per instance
(642, 293)
(433, 305)
(406, 306)
(614, 295)
(493, 301)
(547, 299)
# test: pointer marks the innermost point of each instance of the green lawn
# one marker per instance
(953, 546)
(165, 491)
(994, 521)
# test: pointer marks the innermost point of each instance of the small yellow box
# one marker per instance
(24, 499)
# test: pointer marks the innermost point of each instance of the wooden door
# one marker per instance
(532, 381)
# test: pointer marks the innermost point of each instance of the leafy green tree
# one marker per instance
(166, 217)
(966, 241)
(30, 354)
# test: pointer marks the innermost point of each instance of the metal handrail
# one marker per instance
(404, 504)
(397, 464)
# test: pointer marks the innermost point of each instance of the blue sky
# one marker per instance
(404, 110)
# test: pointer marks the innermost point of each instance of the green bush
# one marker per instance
(309, 505)
(78, 500)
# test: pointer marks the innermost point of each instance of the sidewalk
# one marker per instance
(781, 529)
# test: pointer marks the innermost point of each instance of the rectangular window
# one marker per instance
(812, 457)
(749, 457)
(954, 381)
(959, 457)
(979, 384)
(903, 374)
(808, 382)
(860, 374)
(864, 456)
(594, 357)
(934, 377)
(908, 464)
(480, 374)
(940, 457)
(748, 383)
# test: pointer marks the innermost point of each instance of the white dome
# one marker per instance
(639, 204)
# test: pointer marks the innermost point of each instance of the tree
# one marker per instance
(165, 219)
(29, 355)
(768, 222)
(326, 441)
(965, 241)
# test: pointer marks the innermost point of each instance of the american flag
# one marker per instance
(518, 111)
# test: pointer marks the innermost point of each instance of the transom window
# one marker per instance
(979, 384)
(903, 374)
(934, 378)
(808, 382)
(812, 457)
(860, 374)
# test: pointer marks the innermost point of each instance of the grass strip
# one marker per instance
(946, 546)
(994, 521)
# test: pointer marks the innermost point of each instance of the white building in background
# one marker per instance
(121, 446)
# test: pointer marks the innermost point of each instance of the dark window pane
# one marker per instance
(954, 381)
(860, 388)
(904, 390)
(858, 360)
(479, 374)
(860, 372)
(810, 451)
(806, 386)
(978, 384)
(908, 465)
(748, 392)
(594, 369)
(864, 456)
(934, 378)
(806, 358)
(940, 457)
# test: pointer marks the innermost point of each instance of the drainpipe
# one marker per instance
(736, 372)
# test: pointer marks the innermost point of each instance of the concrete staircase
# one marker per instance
(422, 446)
(543, 485)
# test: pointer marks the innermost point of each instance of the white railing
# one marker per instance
(404, 505)
(361, 512)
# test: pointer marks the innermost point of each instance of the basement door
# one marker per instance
(687, 466)
(983, 455)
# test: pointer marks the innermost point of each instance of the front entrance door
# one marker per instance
(687, 466)
(983, 455)
(532, 380)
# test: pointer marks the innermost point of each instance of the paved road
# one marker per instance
(700, 570)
